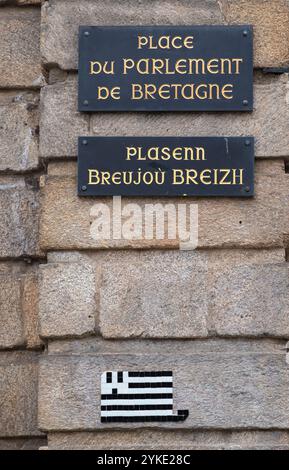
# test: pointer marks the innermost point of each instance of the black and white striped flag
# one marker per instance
(138, 396)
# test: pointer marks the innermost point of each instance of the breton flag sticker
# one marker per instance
(133, 397)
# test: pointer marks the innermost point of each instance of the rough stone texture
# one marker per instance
(11, 321)
(258, 222)
(61, 19)
(162, 440)
(30, 307)
(57, 75)
(18, 391)
(18, 131)
(67, 300)
(22, 444)
(246, 294)
(155, 295)
(97, 345)
(268, 123)
(19, 208)
(29, 2)
(196, 294)
(221, 390)
(59, 108)
(19, 48)
(20, 2)
(251, 301)
(18, 306)
(270, 19)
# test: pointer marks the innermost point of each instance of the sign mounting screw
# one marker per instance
(83, 188)
(247, 189)
(86, 33)
(247, 142)
(245, 33)
(84, 142)
(245, 102)
(85, 102)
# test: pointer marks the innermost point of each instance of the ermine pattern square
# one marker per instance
(138, 397)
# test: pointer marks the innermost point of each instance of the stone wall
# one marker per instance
(21, 76)
(72, 307)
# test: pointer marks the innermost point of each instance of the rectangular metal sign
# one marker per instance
(166, 68)
(166, 166)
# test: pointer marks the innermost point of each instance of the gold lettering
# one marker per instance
(225, 175)
(116, 177)
(130, 152)
(142, 41)
(201, 154)
(165, 42)
(205, 176)
(194, 66)
(93, 177)
(237, 62)
(137, 93)
(213, 66)
(101, 68)
(151, 90)
(103, 93)
(158, 68)
(128, 64)
(164, 91)
(181, 66)
(238, 175)
(191, 176)
(178, 177)
(177, 153)
(227, 91)
(177, 40)
(204, 95)
(189, 42)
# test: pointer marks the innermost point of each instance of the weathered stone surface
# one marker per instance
(246, 294)
(18, 391)
(195, 295)
(251, 301)
(268, 123)
(162, 440)
(98, 345)
(259, 222)
(29, 2)
(57, 75)
(18, 306)
(11, 319)
(221, 390)
(67, 300)
(59, 109)
(30, 305)
(270, 19)
(61, 19)
(20, 2)
(18, 131)
(22, 444)
(19, 209)
(178, 306)
(20, 48)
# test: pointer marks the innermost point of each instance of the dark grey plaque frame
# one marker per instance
(116, 42)
(108, 154)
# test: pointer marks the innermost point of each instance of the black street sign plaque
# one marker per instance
(166, 166)
(166, 68)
